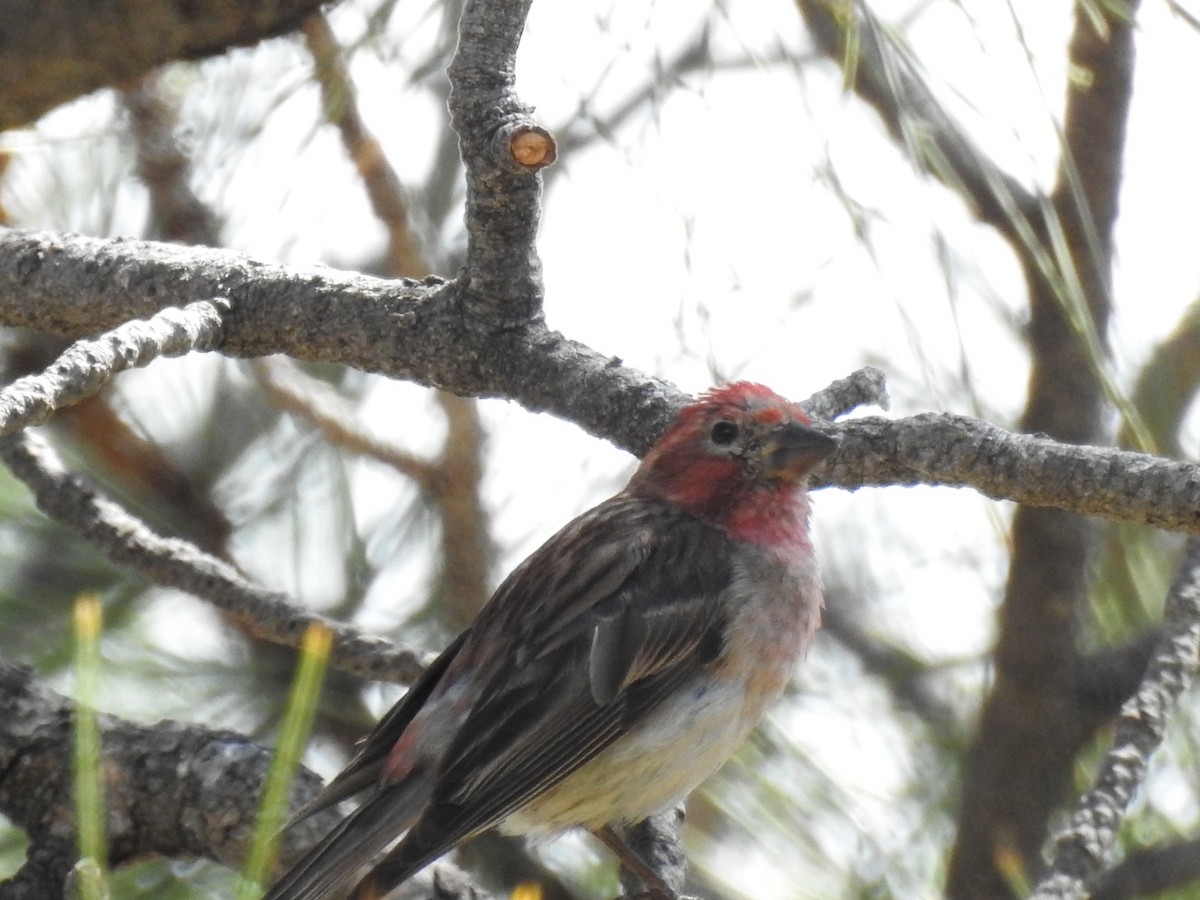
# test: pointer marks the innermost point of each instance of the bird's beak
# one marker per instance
(794, 450)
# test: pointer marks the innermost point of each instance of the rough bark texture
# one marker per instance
(160, 787)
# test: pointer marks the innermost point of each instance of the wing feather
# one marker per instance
(588, 652)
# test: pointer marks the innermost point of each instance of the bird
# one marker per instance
(612, 671)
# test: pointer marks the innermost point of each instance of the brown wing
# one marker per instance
(585, 653)
(363, 770)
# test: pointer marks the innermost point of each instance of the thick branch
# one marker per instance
(1031, 730)
(173, 789)
(72, 286)
(52, 51)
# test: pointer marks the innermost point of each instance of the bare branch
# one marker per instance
(119, 41)
(417, 331)
(864, 387)
(175, 563)
(1149, 871)
(86, 366)
(370, 323)
(958, 451)
(503, 278)
(1084, 848)
(171, 788)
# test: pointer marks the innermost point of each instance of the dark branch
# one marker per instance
(1145, 873)
(1106, 678)
(55, 51)
(173, 789)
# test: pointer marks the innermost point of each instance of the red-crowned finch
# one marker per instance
(613, 670)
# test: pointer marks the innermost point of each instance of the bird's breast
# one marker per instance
(773, 611)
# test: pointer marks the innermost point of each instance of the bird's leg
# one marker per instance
(656, 887)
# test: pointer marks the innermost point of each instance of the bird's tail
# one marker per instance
(352, 844)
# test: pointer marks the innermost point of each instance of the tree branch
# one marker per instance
(958, 451)
(1149, 871)
(413, 330)
(171, 562)
(86, 366)
(502, 283)
(174, 789)
(55, 52)
(1084, 848)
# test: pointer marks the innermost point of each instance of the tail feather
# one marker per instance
(352, 844)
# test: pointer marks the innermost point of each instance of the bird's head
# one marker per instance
(738, 446)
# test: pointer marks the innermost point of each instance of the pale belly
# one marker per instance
(682, 742)
(693, 733)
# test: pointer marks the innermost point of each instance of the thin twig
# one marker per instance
(86, 366)
(175, 563)
(1085, 847)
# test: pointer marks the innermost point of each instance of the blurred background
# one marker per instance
(727, 203)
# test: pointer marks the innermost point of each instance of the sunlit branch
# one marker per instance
(175, 563)
(370, 323)
(1085, 847)
(958, 451)
(86, 366)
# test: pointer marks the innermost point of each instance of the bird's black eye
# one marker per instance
(724, 433)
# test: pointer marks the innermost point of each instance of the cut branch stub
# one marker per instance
(530, 147)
